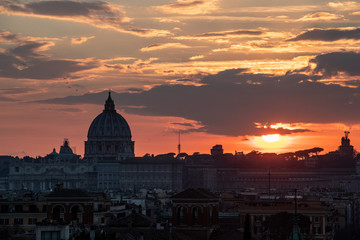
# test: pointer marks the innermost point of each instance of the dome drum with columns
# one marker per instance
(109, 135)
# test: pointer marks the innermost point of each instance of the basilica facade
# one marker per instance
(43, 173)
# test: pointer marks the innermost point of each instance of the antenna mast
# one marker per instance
(269, 183)
(179, 146)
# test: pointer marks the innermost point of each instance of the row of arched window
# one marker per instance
(196, 215)
(75, 212)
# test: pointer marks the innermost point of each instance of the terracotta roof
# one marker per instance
(194, 193)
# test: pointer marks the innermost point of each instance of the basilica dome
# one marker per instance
(109, 123)
(109, 136)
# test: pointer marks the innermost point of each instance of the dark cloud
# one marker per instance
(97, 13)
(6, 99)
(184, 124)
(184, 127)
(333, 63)
(232, 102)
(61, 8)
(28, 50)
(328, 35)
(16, 90)
(68, 8)
(87, 98)
(24, 61)
(283, 131)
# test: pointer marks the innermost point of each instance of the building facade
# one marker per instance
(195, 212)
(43, 173)
(150, 173)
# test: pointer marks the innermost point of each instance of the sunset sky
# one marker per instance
(220, 71)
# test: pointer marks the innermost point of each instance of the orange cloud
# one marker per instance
(212, 67)
(237, 33)
(196, 57)
(276, 9)
(156, 47)
(167, 20)
(80, 40)
(344, 6)
(189, 7)
(321, 16)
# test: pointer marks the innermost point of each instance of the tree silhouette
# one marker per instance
(280, 225)
(247, 229)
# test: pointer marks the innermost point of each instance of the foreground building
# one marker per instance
(195, 213)
(54, 212)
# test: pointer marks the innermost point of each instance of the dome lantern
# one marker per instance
(109, 104)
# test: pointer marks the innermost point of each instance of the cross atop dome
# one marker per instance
(109, 104)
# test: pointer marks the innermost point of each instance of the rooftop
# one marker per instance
(195, 193)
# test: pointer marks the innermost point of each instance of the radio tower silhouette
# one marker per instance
(179, 146)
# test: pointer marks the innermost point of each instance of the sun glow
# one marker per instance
(272, 142)
(270, 138)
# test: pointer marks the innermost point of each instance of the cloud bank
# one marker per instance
(236, 103)
(26, 61)
(328, 35)
(98, 13)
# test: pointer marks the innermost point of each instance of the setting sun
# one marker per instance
(272, 142)
(271, 138)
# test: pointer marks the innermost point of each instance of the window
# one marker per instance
(4, 221)
(316, 219)
(18, 208)
(47, 235)
(316, 230)
(18, 221)
(17, 169)
(4, 208)
(195, 214)
(32, 221)
(181, 215)
(33, 208)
